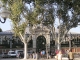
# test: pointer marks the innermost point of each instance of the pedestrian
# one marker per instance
(19, 55)
(70, 55)
(49, 55)
(56, 52)
(35, 55)
(59, 55)
(43, 53)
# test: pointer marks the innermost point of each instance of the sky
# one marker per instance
(7, 26)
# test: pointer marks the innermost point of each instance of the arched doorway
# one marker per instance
(40, 43)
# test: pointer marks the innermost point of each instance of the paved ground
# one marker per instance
(35, 59)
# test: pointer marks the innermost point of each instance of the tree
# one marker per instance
(45, 11)
(0, 30)
(67, 12)
(23, 16)
(20, 16)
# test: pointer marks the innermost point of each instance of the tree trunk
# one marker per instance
(59, 33)
(58, 46)
(25, 51)
(58, 43)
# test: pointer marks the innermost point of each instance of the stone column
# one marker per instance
(1, 39)
(34, 43)
(48, 41)
(47, 44)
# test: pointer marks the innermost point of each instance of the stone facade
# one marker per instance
(41, 31)
(37, 31)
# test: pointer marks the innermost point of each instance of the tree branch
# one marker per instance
(21, 37)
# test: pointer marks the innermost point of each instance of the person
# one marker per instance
(49, 55)
(56, 52)
(20, 55)
(34, 55)
(42, 53)
(59, 55)
(70, 55)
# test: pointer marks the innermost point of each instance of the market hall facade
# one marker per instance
(41, 40)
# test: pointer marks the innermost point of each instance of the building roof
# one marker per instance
(28, 32)
(6, 33)
(9, 32)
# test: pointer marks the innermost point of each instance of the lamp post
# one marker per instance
(4, 13)
(69, 39)
(10, 42)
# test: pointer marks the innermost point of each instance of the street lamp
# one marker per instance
(70, 41)
(4, 13)
(10, 42)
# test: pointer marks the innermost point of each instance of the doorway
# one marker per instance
(40, 43)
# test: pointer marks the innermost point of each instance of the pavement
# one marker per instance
(64, 58)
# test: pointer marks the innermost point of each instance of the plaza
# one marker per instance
(40, 59)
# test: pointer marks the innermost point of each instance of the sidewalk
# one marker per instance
(41, 59)
(51, 59)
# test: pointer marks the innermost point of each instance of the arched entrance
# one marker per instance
(40, 43)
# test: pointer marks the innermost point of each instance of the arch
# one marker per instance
(40, 43)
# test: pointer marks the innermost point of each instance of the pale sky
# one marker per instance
(7, 26)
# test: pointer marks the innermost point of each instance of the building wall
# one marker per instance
(75, 50)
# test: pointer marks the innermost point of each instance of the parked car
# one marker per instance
(11, 54)
(4, 55)
(19, 53)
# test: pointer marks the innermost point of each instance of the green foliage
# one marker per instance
(19, 19)
(0, 30)
(4, 1)
(65, 6)
(22, 16)
(16, 10)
